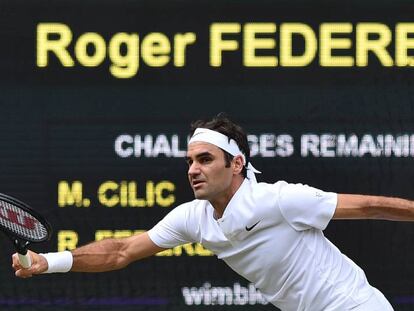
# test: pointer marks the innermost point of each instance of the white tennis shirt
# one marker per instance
(271, 234)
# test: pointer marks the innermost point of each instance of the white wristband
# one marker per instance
(58, 262)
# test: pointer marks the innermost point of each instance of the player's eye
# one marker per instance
(205, 160)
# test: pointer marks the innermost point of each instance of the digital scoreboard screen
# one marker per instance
(96, 103)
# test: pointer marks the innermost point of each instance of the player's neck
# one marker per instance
(219, 204)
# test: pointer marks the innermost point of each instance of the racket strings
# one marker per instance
(21, 223)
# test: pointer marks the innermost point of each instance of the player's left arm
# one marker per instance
(353, 206)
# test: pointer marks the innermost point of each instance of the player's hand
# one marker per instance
(39, 265)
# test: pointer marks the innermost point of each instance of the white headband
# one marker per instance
(222, 141)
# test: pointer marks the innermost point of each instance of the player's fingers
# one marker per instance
(15, 258)
(24, 273)
(16, 262)
(18, 268)
(39, 265)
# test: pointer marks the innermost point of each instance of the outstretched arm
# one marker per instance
(352, 206)
(113, 254)
(100, 256)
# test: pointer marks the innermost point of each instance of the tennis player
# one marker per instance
(271, 234)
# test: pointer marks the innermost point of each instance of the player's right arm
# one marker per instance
(99, 256)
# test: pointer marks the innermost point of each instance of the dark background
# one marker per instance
(60, 123)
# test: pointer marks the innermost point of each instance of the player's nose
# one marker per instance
(193, 169)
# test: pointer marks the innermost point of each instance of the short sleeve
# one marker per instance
(171, 231)
(306, 207)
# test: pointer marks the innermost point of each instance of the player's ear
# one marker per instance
(237, 164)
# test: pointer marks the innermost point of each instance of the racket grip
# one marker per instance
(25, 260)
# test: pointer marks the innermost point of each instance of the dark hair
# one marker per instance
(222, 124)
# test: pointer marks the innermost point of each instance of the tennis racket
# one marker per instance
(23, 226)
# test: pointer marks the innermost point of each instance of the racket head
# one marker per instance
(19, 220)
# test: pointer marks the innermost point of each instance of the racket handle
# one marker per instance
(25, 260)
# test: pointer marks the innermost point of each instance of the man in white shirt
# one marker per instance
(271, 234)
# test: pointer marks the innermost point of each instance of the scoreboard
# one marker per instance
(96, 102)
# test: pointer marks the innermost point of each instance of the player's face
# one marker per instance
(207, 172)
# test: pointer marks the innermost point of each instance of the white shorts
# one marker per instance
(377, 302)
